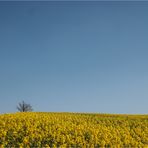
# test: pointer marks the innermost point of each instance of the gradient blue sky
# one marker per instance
(74, 56)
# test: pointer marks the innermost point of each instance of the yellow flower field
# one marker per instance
(73, 130)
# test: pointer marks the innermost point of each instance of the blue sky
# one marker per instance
(74, 56)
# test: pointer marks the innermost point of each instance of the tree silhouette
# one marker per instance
(24, 107)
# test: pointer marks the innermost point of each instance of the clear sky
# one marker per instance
(74, 56)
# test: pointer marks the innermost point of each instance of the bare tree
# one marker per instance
(24, 107)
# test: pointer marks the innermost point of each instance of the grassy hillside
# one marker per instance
(73, 130)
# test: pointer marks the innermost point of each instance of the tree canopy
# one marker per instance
(24, 107)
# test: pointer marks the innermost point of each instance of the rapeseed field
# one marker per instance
(77, 130)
